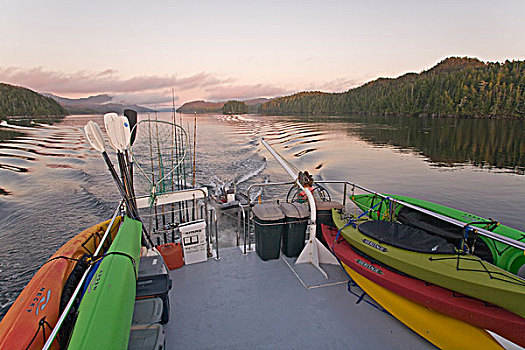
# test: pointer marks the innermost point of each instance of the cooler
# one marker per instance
(154, 281)
(194, 241)
(147, 337)
(148, 310)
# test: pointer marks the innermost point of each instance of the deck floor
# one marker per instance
(242, 302)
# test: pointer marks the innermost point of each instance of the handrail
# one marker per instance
(213, 212)
(247, 232)
(266, 184)
(241, 209)
(63, 316)
(495, 236)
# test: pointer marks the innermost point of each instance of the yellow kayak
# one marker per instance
(443, 331)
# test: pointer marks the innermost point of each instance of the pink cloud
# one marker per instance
(243, 92)
(106, 81)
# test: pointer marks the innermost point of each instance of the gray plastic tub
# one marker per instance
(147, 337)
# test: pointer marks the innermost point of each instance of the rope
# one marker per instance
(61, 257)
(133, 262)
(41, 325)
(354, 221)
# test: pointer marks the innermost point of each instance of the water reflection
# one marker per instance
(447, 142)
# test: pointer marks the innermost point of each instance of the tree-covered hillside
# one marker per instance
(234, 107)
(455, 86)
(19, 101)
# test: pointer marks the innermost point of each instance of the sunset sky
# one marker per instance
(216, 50)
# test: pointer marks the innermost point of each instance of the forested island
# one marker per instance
(19, 101)
(454, 87)
(234, 107)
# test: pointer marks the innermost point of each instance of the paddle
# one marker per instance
(132, 118)
(119, 136)
(96, 140)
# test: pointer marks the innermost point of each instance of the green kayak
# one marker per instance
(432, 259)
(500, 254)
(106, 309)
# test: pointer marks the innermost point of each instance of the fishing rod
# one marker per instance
(96, 140)
(152, 174)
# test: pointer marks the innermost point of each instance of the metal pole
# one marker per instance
(53, 334)
(314, 252)
(500, 238)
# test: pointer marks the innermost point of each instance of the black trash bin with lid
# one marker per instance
(268, 220)
(324, 216)
(296, 221)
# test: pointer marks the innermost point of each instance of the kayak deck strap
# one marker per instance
(492, 274)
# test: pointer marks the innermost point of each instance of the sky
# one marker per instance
(138, 51)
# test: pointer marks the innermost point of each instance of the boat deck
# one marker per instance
(243, 302)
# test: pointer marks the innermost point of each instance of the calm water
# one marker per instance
(52, 185)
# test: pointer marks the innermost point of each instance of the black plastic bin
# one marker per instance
(268, 220)
(154, 281)
(296, 221)
(324, 216)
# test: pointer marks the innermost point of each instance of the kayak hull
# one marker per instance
(443, 331)
(463, 308)
(508, 258)
(40, 299)
(106, 309)
(467, 275)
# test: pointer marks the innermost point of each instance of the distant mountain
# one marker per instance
(456, 86)
(216, 107)
(19, 101)
(95, 104)
(201, 107)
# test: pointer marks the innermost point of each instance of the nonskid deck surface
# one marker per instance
(242, 302)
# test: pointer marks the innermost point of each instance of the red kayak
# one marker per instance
(476, 312)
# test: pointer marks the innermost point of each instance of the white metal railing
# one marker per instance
(495, 236)
(64, 314)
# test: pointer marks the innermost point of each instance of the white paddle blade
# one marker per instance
(111, 122)
(94, 136)
(126, 131)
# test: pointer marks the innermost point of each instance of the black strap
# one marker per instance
(128, 256)
(41, 325)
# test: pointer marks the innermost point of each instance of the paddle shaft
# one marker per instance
(129, 203)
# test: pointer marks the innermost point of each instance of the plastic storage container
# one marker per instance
(172, 254)
(194, 241)
(324, 216)
(148, 310)
(268, 220)
(296, 220)
(147, 337)
(154, 281)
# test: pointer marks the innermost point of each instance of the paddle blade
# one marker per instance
(132, 117)
(94, 136)
(113, 125)
(126, 131)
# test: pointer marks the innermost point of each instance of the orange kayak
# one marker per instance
(35, 312)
